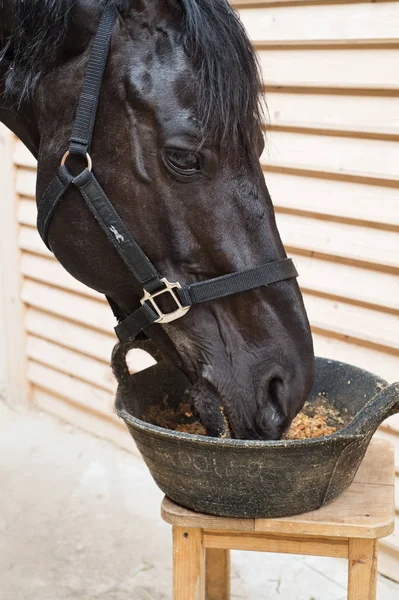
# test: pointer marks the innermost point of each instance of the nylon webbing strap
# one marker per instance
(242, 281)
(213, 289)
(82, 132)
(138, 321)
(106, 216)
(50, 201)
(116, 231)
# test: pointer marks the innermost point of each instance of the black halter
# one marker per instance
(143, 270)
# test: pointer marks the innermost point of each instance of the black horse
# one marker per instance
(176, 148)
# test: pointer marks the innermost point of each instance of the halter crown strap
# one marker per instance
(80, 142)
(119, 236)
(85, 119)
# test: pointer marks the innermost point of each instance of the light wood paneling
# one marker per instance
(69, 334)
(350, 321)
(25, 183)
(68, 306)
(49, 271)
(64, 360)
(11, 307)
(333, 153)
(370, 288)
(385, 364)
(373, 205)
(30, 241)
(70, 388)
(323, 22)
(330, 67)
(345, 112)
(380, 248)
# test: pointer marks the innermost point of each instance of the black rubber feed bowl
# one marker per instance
(254, 479)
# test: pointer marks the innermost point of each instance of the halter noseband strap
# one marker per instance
(153, 284)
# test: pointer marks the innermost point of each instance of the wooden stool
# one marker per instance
(348, 527)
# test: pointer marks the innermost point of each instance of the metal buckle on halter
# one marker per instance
(168, 289)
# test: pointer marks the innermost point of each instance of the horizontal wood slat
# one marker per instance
(347, 282)
(70, 335)
(70, 388)
(71, 363)
(384, 364)
(27, 212)
(332, 153)
(25, 183)
(331, 67)
(330, 174)
(339, 239)
(323, 22)
(49, 271)
(362, 324)
(334, 547)
(342, 112)
(369, 204)
(30, 241)
(69, 306)
(22, 157)
(266, 4)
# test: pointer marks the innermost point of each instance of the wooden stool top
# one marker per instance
(365, 510)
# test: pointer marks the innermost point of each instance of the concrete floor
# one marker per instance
(79, 519)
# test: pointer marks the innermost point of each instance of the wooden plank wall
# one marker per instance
(331, 164)
(13, 381)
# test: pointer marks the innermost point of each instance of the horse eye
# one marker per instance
(183, 160)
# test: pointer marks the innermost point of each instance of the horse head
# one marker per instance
(176, 147)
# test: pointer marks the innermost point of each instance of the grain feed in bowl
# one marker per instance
(316, 419)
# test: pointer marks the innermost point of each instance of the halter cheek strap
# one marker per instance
(154, 285)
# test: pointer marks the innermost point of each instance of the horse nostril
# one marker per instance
(271, 417)
(275, 388)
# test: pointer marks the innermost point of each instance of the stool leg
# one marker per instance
(188, 564)
(362, 569)
(217, 586)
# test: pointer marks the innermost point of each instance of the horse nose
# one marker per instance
(274, 412)
(281, 394)
(264, 413)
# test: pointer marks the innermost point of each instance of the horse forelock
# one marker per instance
(227, 78)
(38, 29)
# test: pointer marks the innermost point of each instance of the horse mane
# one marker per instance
(38, 29)
(228, 80)
(229, 83)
